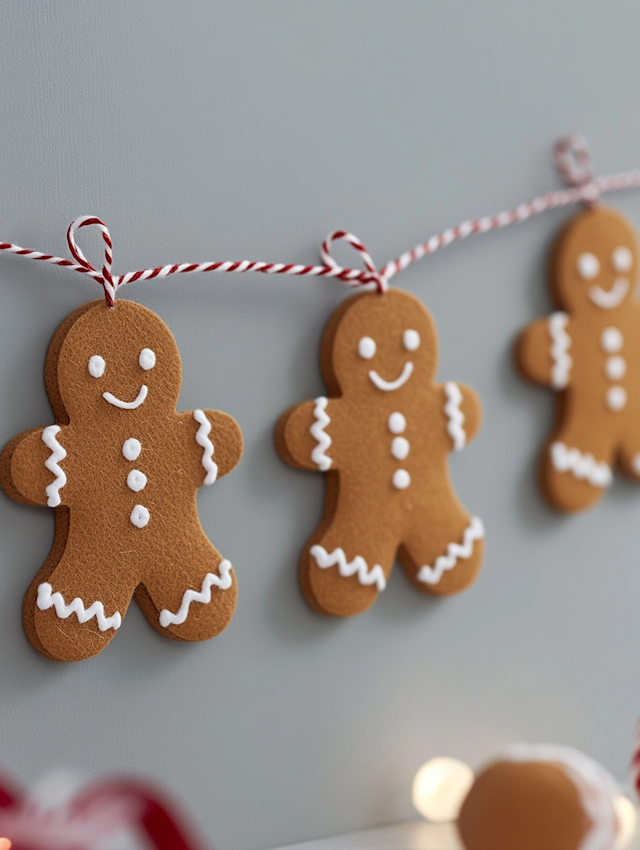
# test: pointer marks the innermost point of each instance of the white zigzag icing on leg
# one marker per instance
(583, 466)
(202, 439)
(57, 454)
(560, 345)
(223, 582)
(432, 575)
(357, 567)
(47, 599)
(455, 415)
(318, 455)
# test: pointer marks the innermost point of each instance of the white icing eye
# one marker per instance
(622, 259)
(147, 359)
(366, 348)
(588, 266)
(96, 366)
(411, 340)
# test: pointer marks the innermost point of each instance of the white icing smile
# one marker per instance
(389, 386)
(610, 298)
(127, 405)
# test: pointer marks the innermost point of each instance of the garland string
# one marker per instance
(572, 158)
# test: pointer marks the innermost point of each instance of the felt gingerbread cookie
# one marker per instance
(588, 352)
(121, 469)
(382, 437)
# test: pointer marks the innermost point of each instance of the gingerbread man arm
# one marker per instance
(30, 470)
(303, 434)
(543, 351)
(463, 413)
(220, 440)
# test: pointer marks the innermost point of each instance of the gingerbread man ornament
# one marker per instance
(121, 469)
(589, 353)
(382, 438)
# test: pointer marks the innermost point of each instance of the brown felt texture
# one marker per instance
(97, 553)
(523, 806)
(364, 514)
(583, 419)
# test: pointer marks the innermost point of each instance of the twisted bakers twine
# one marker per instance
(572, 158)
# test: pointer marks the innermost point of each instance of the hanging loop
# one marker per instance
(573, 159)
(373, 276)
(105, 278)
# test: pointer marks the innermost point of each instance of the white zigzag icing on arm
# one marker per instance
(57, 454)
(223, 582)
(357, 567)
(47, 599)
(560, 345)
(318, 455)
(202, 439)
(583, 466)
(455, 415)
(432, 575)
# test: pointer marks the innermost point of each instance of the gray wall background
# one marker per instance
(209, 130)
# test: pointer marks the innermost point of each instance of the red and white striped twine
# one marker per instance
(571, 155)
(635, 762)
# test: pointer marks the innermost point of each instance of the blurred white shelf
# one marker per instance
(413, 835)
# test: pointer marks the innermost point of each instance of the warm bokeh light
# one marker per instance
(627, 816)
(5, 844)
(440, 787)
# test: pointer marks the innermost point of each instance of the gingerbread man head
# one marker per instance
(595, 263)
(379, 343)
(124, 358)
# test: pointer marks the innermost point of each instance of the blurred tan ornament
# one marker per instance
(541, 798)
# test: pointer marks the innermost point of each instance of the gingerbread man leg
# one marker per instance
(443, 550)
(575, 466)
(629, 453)
(69, 613)
(190, 592)
(347, 561)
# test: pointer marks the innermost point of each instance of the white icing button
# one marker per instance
(615, 367)
(96, 366)
(588, 266)
(616, 398)
(366, 348)
(401, 479)
(622, 259)
(400, 447)
(396, 423)
(611, 340)
(136, 480)
(140, 516)
(131, 448)
(411, 340)
(147, 359)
